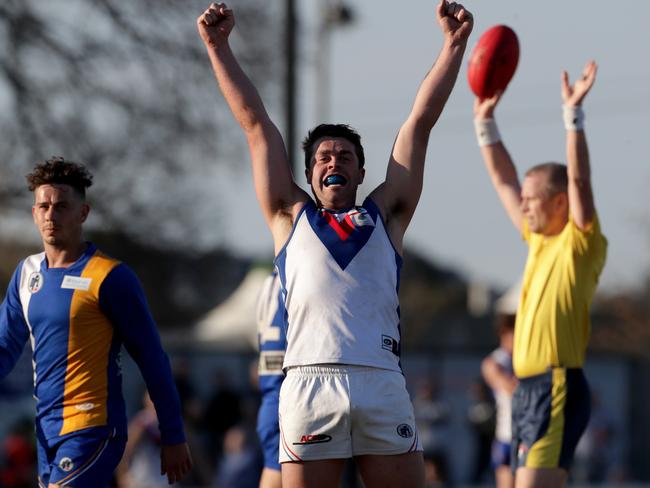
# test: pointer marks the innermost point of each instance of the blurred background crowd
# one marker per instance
(215, 370)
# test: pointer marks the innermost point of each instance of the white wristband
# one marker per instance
(487, 131)
(574, 118)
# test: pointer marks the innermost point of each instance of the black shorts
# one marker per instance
(550, 413)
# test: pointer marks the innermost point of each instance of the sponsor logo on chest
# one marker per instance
(360, 217)
(76, 283)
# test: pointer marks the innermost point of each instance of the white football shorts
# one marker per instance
(341, 411)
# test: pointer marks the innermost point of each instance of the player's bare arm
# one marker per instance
(496, 378)
(498, 162)
(279, 197)
(581, 199)
(399, 194)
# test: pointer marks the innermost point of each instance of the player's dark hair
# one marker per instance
(332, 130)
(557, 176)
(57, 170)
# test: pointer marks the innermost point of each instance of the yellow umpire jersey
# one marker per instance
(553, 327)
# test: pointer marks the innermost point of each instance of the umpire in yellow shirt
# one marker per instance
(554, 211)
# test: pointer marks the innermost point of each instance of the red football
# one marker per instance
(493, 61)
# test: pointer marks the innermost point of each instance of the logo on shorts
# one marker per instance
(66, 464)
(35, 282)
(313, 439)
(404, 430)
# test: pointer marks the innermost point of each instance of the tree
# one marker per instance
(126, 88)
